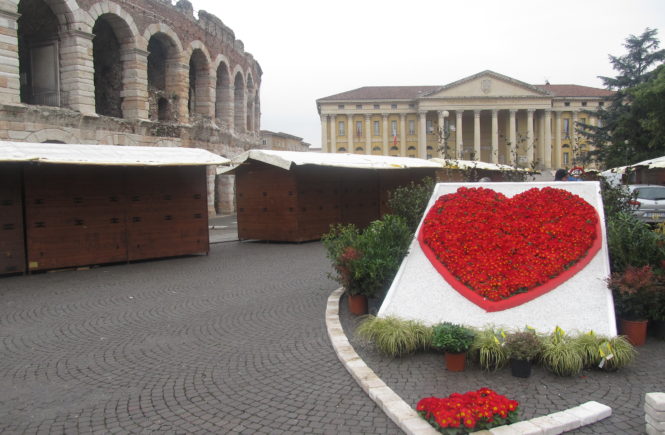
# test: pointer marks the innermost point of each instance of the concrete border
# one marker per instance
(408, 419)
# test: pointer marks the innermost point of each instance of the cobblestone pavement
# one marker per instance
(233, 342)
(424, 375)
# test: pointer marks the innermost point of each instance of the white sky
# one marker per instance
(310, 49)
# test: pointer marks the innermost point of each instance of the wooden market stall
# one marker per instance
(295, 196)
(73, 205)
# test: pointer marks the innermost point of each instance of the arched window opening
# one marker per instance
(198, 84)
(222, 97)
(108, 69)
(161, 78)
(38, 50)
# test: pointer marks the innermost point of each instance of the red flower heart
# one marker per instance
(501, 252)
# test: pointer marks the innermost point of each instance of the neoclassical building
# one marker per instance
(127, 72)
(487, 116)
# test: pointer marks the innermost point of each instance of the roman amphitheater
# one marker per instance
(132, 72)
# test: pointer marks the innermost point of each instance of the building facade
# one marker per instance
(487, 117)
(282, 141)
(130, 72)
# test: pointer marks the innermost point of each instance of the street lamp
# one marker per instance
(446, 130)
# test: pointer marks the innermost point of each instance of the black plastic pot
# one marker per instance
(657, 328)
(520, 368)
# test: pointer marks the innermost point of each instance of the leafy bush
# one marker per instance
(635, 292)
(395, 337)
(523, 345)
(487, 347)
(452, 338)
(560, 355)
(409, 202)
(616, 198)
(588, 347)
(632, 242)
(367, 261)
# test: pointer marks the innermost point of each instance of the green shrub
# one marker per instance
(632, 242)
(487, 348)
(588, 347)
(615, 198)
(523, 345)
(409, 202)
(452, 338)
(560, 355)
(395, 337)
(367, 261)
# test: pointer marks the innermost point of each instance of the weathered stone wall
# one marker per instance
(220, 117)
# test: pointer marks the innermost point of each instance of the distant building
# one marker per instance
(282, 142)
(487, 116)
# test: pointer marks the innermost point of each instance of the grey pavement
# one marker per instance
(232, 342)
(223, 228)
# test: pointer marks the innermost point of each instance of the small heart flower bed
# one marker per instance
(500, 252)
(468, 412)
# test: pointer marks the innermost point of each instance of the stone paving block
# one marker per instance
(656, 400)
(566, 420)
(417, 426)
(601, 411)
(656, 415)
(584, 415)
(658, 425)
(652, 430)
(504, 430)
(549, 426)
(527, 428)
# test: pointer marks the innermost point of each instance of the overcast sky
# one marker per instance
(310, 49)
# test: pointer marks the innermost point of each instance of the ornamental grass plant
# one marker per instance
(588, 346)
(560, 355)
(615, 353)
(488, 349)
(395, 337)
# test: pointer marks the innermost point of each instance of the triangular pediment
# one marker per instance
(487, 84)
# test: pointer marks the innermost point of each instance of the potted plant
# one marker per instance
(633, 291)
(522, 348)
(455, 341)
(657, 310)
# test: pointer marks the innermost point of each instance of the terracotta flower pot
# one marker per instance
(358, 304)
(455, 362)
(520, 368)
(635, 331)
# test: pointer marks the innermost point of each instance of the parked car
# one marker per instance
(648, 202)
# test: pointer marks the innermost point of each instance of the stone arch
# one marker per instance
(167, 86)
(239, 97)
(156, 28)
(250, 103)
(199, 101)
(223, 92)
(123, 24)
(53, 134)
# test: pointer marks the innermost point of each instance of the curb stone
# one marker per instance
(410, 421)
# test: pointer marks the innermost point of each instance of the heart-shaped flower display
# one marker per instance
(501, 252)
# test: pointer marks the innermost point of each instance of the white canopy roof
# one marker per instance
(107, 155)
(469, 164)
(658, 162)
(286, 159)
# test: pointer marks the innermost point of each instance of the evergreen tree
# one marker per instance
(631, 128)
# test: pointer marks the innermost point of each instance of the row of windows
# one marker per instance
(413, 105)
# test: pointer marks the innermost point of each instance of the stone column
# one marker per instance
(368, 134)
(77, 72)
(228, 114)
(529, 138)
(384, 141)
(441, 122)
(135, 83)
(459, 144)
(422, 134)
(402, 135)
(573, 139)
(557, 139)
(324, 133)
(9, 75)
(177, 82)
(333, 134)
(495, 136)
(349, 134)
(513, 137)
(476, 135)
(548, 139)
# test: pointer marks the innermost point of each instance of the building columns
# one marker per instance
(574, 150)
(324, 134)
(548, 139)
(368, 134)
(557, 139)
(476, 135)
(513, 137)
(422, 134)
(77, 72)
(459, 144)
(495, 136)
(384, 144)
(333, 133)
(402, 134)
(349, 134)
(529, 136)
